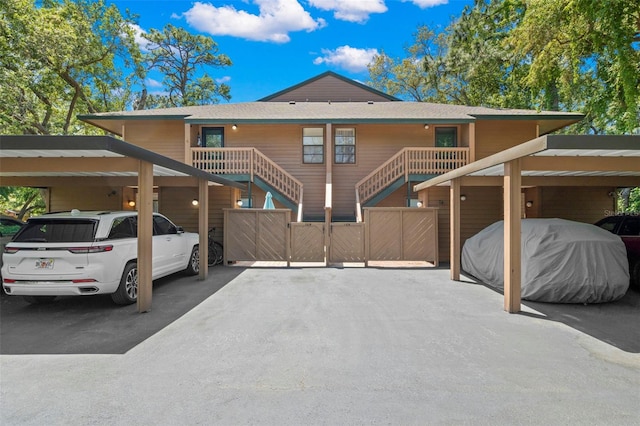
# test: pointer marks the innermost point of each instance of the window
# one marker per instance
(446, 137)
(313, 145)
(212, 137)
(162, 226)
(345, 146)
(124, 227)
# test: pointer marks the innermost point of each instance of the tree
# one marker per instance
(179, 55)
(21, 201)
(584, 44)
(575, 55)
(61, 59)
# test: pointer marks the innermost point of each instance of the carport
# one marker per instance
(29, 160)
(581, 160)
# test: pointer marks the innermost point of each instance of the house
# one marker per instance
(333, 142)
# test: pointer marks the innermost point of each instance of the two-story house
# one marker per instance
(333, 142)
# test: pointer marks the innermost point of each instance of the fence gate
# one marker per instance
(254, 234)
(307, 242)
(387, 234)
(347, 242)
(399, 233)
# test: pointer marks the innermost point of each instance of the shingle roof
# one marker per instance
(337, 111)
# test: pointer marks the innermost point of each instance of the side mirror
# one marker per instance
(179, 230)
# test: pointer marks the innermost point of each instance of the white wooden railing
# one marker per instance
(250, 162)
(408, 161)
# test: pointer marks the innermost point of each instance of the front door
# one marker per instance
(212, 137)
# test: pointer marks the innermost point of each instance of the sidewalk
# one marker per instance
(345, 346)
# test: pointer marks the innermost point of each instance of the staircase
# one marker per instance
(408, 164)
(250, 165)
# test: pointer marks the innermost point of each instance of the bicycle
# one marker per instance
(216, 251)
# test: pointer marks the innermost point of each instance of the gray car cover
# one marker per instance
(562, 261)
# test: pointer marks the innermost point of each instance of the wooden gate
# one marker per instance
(307, 242)
(401, 234)
(255, 235)
(347, 242)
(387, 234)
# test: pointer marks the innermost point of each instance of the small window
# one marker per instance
(345, 146)
(446, 137)
(313, 145)
(631, 226)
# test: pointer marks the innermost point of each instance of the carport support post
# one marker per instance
(145, 235)
(454, 229)
(203, 227)
(512, 237)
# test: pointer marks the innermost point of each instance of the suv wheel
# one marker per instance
(127, 292)
(193, 267)
(38, 299)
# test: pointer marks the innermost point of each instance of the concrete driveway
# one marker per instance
(346, 346)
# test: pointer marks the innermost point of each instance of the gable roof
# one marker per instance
(329, 86)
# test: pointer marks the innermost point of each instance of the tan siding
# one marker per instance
(577, 203)
(329, 88)
(495, 136)
(65, 198)
(162, 137)
(176, 204)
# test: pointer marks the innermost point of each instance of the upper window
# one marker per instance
(124, 227)
(345, 146)
(446, 137)
(162, 226)
(212, 137)
(313, 145)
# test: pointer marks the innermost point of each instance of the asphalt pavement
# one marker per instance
(326, 346)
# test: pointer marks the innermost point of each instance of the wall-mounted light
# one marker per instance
(426, 127)
(131, 203)
(463, 197)
(194, 202)
(234, 127)
(239, 203)
(419, 204)
(529, 204)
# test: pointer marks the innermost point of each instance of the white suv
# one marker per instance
(82, 253)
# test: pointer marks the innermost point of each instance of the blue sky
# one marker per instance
(274, 44)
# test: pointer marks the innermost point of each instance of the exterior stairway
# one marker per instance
(409, 164)
(251, 165)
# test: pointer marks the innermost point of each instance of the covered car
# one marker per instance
(562, 261)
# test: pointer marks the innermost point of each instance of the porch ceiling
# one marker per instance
(88, 156)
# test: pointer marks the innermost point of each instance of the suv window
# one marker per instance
(9, 227)
(631, 226)
(57, 231)
(609, 223)
(124, 227)
(162, 226)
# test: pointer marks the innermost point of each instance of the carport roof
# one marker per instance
(558, 155)
(89, 147)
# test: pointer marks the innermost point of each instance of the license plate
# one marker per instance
(44, 264)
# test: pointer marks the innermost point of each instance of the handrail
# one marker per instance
(248, 161)
(406, 162)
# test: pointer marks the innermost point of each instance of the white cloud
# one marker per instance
(423, 4)
(152, 83)
(224, 79)
(347, 57)
(138, 34)
(277, 18)
(351, 10)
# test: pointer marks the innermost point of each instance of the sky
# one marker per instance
(275, 44)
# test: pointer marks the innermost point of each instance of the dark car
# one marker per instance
(9, 226)
(628, 228)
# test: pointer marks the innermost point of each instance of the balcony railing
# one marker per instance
(409, 161)
(252, 163)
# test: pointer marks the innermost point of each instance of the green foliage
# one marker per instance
(23, 201)
(59, 60)
(574, 55)
(178, 55)
(629, 200)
